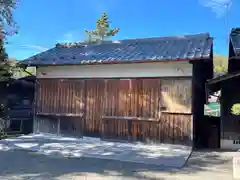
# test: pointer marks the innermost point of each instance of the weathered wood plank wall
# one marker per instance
(177, 95)
(170, 128)
(161, 103)
(139, 97)
(60, 96)
(94, 102)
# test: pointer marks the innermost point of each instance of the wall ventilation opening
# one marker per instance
(236, 141)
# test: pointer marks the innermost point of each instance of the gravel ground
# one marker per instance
(23, 165)
(156, 154)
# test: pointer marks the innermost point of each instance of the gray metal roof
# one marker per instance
(148, 49)
(235, 39)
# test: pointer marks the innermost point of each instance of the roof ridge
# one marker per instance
(172, 37)
(144, 39)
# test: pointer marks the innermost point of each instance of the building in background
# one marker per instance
(229, 85)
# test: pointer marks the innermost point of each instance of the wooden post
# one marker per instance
(103, 128)
(35, 126)
(134, 130)
(129, 130)
(58, 127)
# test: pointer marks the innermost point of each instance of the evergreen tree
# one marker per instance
(7, 27)
(5, 74)
(102, 30)
(5, 67)
(6, 16)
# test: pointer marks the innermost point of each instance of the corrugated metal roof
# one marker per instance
(235, 39)
(148, 49)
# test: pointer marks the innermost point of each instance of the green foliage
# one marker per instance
(5, 65)
(6, 16)
(6, 21)
(220, 63)
(19, 72)
(236, 109)
(102, 30)
(7, 27)
(5, 74)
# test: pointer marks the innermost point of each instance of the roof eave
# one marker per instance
(216, 83)
(124, 61)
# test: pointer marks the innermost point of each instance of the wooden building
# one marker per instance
(150, 90)
(229, 85)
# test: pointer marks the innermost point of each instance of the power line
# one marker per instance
(226, 6)
(226, 20)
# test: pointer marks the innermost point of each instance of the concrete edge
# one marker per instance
(186, 162)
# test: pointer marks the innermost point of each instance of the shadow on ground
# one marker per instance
(27, 165)
(207, 160)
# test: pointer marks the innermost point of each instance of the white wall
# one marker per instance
(228, 144)
(161, 69)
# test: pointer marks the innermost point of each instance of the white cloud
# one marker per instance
(34, 47)
(219, 7)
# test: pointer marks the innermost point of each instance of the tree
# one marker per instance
(236, 109)
(5, 75)
(7, 22)
(5, 66)
(7, 27)
(4, 120)
(102, 30)
(220, 63)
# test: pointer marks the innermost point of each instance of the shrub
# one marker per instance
(236, 109)
(4, 121)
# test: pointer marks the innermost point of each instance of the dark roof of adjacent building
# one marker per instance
(190, 47)
(217, 83)
(235, 40)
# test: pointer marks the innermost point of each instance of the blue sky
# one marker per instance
(46, 22)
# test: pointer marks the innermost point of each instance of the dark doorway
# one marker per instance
(208, 133)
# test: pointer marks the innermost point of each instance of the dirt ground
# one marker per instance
(22, 165)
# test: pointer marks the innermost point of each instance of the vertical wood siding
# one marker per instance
(177, 95)
(103, 104)
(136, 97)
(94, 90)
(60, 97)
(169, 128)
(71, 126)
